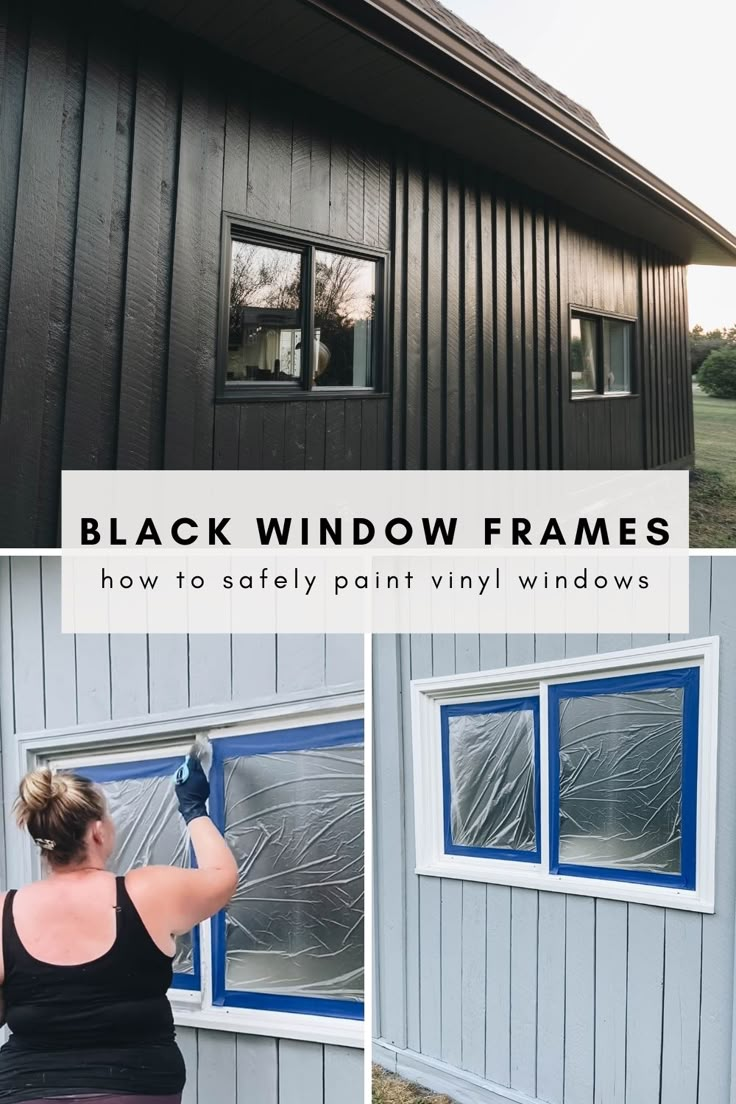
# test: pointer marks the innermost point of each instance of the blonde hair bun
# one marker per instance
(56, 807)
(36, 792)
(47, 792)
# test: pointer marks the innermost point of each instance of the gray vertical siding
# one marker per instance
(49, 680)
(494, 993)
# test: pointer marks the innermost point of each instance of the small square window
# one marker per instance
(601, 355)
(623, 773)
(490, 757)
(299, 316)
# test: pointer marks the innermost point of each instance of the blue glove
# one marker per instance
(192, 789)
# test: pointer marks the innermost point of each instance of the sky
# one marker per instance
(659, 77)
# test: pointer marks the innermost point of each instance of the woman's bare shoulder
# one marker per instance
(153, 878)
(146, 874)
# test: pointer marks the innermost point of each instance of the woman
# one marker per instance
(87, 957)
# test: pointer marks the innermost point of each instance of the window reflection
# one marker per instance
(583, 353)
(601, 355)
(617, 338)
(344, 315)
(264, 339)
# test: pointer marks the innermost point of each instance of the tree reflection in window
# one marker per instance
(267, 321)
(265, 314)
(344, 314)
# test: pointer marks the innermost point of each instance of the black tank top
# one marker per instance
(101, 1027)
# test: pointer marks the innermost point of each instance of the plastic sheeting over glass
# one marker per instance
(295, 823)
(621, 780)
(150, 832)
(492, 780)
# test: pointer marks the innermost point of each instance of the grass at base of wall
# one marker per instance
(712, 510)
(387, 1089)
(713, 483)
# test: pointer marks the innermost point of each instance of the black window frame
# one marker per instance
(237, 228)
(599, 317)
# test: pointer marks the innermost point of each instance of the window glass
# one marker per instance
(264, 340)
(583, 353)
(491, 758)
(294, 820)
(149, 832)
(344, 312)
(621, 770)
(617, 344)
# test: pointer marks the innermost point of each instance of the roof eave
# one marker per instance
(552, 122)
(446, 92)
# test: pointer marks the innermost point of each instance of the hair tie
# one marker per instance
(45, 845)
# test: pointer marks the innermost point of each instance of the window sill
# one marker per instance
(597, 397)
(293, 394)
(185, 998)
(279, 1025)
(507, 873)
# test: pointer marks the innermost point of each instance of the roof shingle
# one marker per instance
(453, 23)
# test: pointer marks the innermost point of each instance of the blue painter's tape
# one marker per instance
(688, 679)
(309, 1006)
(306, 738)
(129, 772)
(508, 705)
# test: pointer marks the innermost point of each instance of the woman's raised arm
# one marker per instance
(171, 900)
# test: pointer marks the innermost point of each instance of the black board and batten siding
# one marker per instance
(121, 144)
(485, 275)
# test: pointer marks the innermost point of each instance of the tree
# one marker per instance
(703, 343)
(717, 376)
(263, 277)
(335, 293)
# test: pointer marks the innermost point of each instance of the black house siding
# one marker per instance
(121, 145)
(485, 277)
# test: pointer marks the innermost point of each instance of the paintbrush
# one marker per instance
(201, 752)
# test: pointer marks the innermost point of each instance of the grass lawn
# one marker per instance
(388, 1089)
(713, 484)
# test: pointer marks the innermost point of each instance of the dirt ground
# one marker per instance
(388, 1089)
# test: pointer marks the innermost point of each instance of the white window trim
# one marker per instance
(430, 694)
(150, 737)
